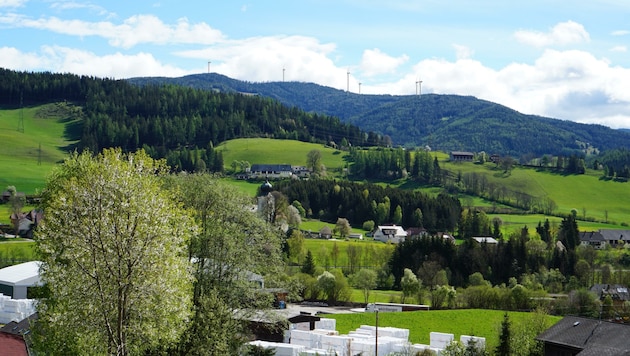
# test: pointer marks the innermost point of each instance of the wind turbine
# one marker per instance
(209, 67)
(359, 87)
(348, 85)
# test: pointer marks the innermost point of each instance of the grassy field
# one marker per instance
(14, 251)
(476, 322)
(373, 254)
(27, 157)
(585, 193)
(269, 151)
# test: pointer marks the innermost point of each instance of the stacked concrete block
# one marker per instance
(440, 340)
(326, 324)
(339, 344)
(480, 342)
(15, 309)
(280, 348)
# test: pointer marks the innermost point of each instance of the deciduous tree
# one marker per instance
(113, 253)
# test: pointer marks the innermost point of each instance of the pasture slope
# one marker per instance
(29, 152)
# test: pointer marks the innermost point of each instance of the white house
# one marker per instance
(15, 280)
(269, 171)
(390, 233)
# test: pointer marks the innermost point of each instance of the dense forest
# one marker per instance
(444, 122)
(169, 121)
(328, 200)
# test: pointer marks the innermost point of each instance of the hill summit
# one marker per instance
(445, 122)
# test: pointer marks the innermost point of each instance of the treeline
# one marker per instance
(384, 163)
(513, 257)
(166, 118)
(615, 163)
(328, 200)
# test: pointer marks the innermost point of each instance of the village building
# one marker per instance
(461, 156)
(269, 171)
(390, 233)
(605, 237)
(583, 336)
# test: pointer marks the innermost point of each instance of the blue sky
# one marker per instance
(563, 59)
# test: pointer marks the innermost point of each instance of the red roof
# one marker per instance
(13, 345)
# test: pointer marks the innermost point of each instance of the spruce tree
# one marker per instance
(503, 349)
(309, 264)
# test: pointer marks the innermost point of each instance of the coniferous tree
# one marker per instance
(503, 349)
(309, 264)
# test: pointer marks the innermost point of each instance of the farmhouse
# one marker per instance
(617, 292)
(582, 336)
(269, 171)
(390, 233)
(605, 237)
(460, 156)
(15, 280)
(486, 239)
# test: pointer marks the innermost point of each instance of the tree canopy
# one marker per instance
(113, 257)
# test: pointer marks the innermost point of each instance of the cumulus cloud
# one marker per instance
(70, 60)
(562, 34)
(12, 3)
(134, 30)
(375, 62)
(263, 59)
(463, 52)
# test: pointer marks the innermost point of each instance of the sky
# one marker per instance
(563, 59)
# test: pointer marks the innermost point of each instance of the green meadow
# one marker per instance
(27, 156)
(475, 322)
(270, 151)
(586, 193)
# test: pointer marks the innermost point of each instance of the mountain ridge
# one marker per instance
(441, 121)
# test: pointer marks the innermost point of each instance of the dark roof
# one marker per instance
(616, 291)
(462, 153)
(605, 235)
(591, 336)
(271, 168)
(19, 328)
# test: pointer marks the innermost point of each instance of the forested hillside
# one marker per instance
(178, 123)
(444, 122)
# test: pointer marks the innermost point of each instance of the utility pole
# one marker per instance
(376, 342)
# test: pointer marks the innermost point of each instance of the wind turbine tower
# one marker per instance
(283, 74)
(359, 87)
(348, 85)
(209, 67)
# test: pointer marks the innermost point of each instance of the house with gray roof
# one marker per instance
(585, 337)
(605, 237)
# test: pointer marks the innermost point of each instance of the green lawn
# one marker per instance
(475, 322)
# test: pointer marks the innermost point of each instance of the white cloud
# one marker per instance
(619, 49)
(562, 34)
(263, 58)
(133, 31)
(71, 5)
(620, 33)
(12, 3)
(375, 62)
(69, 60)
(463, 52)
